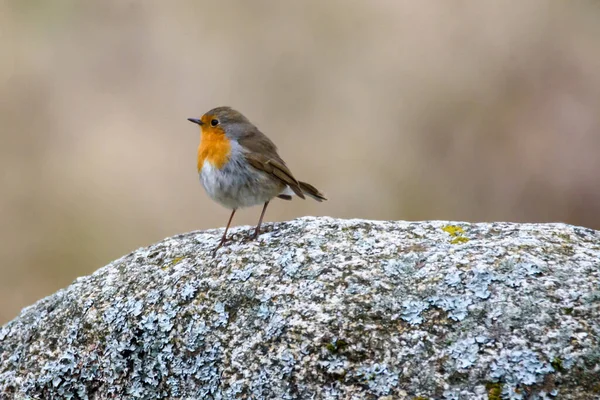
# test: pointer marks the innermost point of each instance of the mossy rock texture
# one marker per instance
(323, 308)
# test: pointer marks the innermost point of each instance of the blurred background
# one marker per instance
(397, 110)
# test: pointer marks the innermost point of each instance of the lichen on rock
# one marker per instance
(322, 308)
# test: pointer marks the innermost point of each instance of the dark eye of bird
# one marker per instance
(214, 122)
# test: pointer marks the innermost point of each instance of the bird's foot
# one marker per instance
(254, 236)
(221, 243)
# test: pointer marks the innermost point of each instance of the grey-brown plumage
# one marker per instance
(261, 152)
(253, 172)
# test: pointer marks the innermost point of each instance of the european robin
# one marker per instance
(239, 166)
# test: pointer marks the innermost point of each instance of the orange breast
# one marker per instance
(214, 148)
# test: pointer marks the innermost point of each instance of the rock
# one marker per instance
(322, 308)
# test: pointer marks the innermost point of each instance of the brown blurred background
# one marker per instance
(401, 110)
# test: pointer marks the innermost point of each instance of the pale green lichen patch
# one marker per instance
(494, 390)
(324, 308)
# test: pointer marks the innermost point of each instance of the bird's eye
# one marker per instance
(214, 122)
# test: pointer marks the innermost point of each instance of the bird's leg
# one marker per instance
(262, 214)
(224, 238)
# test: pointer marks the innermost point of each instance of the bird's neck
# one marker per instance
(214, 148)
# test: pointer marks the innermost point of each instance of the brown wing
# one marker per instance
(275, 168)
(257, 142)
(262, 155)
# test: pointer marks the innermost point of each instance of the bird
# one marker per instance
(239, 166)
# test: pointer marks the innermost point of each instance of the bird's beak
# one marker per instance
(196, 121)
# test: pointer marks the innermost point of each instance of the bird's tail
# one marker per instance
(312, 191)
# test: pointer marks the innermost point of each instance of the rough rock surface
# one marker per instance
(320, 308)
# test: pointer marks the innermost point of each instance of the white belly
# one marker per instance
(238, 185)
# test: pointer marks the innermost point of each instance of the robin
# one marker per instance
(239, 166)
